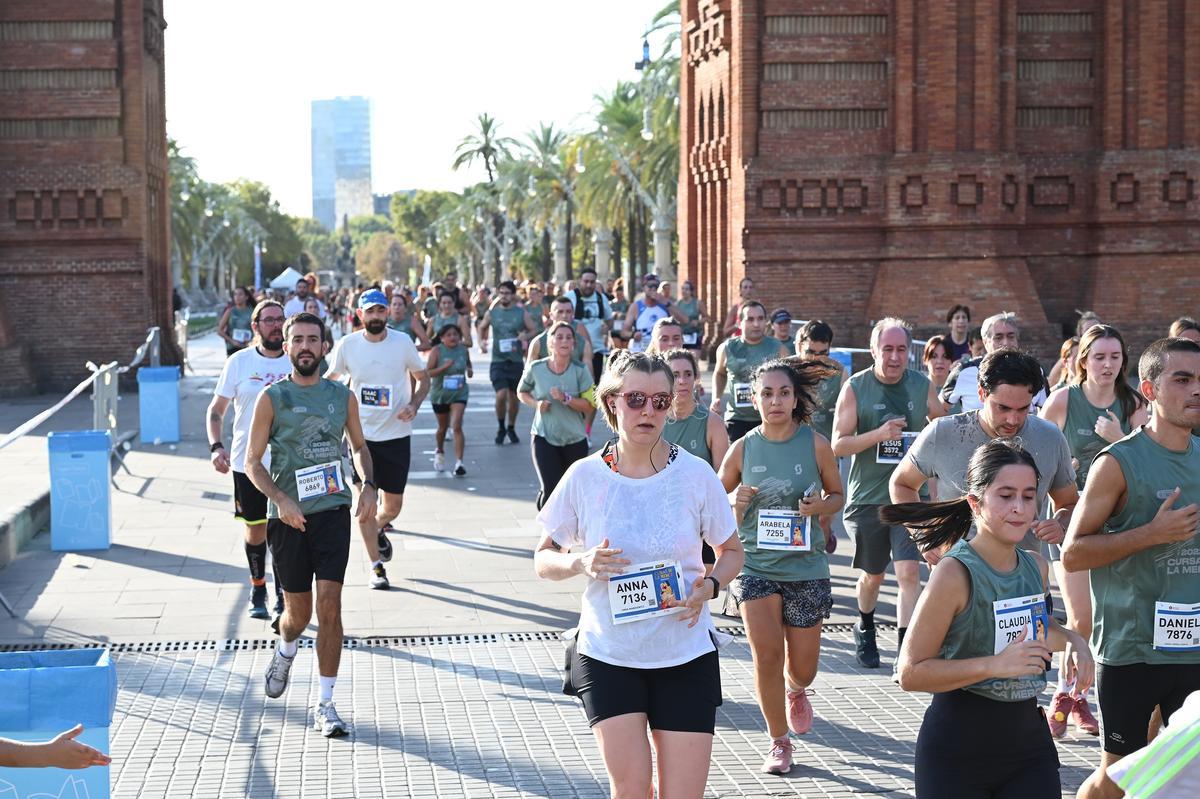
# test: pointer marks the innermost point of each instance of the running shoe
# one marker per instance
(512, 435)
(896, 669)
(830, 542)
(500, 436)
(1061, 707)
(379, 580)
(385, 547)
(439, 462)
(779, 759)
(799, 711)
(865, 650)
(459, 469)
(277, 674)
(328, 722)
(387, 528)
(258, 603)
(1082, 716)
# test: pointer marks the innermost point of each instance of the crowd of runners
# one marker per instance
(957, 462)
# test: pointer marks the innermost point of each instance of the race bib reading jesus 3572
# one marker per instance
(894, 451)
(643, 591)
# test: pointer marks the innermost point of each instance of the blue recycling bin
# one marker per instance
(80, 494)
(158, 404)
(45, 693)
(842, 357)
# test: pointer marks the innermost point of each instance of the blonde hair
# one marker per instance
(613, 379)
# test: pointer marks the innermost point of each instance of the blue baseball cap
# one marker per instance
(372, 297)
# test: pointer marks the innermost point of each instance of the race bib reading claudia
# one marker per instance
(642, 592)
(1014, 615)
(320, 480)
(1176, 627)
(783, 529)
(375, 396)
(894, 451)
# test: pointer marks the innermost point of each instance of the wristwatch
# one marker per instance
(218, 445)
(716, 586)
(370, 483)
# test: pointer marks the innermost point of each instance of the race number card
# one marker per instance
(453, 382)
(375, 396)
(1176, 627)
(894, 451)
(1016, 614)
(641, 593)
(320, 480)
(241, 336)
(508, 345)
(741, 395)
(690, 339)
(783, 529)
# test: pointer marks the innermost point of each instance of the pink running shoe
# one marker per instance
(1082, 716)
(799, 711)
(1061, 706)
(779, 759)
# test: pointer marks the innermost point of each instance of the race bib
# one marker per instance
(375, 396)
(241, 335)
(783, 529)
(320, 480)
(741, 395)
(617, 324)
(507, 345)
(642, 592)
(453, 382)
(894, 451)
(1013, 615)
(691, 339)
(1176, 627)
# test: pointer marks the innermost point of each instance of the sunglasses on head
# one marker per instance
(636, 400)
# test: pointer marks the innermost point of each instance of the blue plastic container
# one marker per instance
(158, 404)
(45, 693)
(842, 357)
(80, 494)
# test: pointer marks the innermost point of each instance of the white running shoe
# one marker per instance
(328, 722)
(277, 674)
(439, 462)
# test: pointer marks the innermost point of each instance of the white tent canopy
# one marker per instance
(287, 279)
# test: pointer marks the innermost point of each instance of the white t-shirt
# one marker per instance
(379, 379)
(656, 519)
(244, 375)
(295, 305)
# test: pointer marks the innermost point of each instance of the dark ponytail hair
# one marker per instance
(935, 525)
(805, 376)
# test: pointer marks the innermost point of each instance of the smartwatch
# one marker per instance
(716, 586)
(370, 483)
(218, 445)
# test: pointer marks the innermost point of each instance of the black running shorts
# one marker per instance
(249, 504)
(505, 374)
(1129, 694)
(320, 551)
(390, 461)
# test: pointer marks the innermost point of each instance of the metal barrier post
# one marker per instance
(155, 346)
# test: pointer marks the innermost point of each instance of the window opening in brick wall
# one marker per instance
(826, 71)
(58, 79)
(55, 31)
(1080, 22)
(826, 24)
(59, 128)
(1053, 117)
(1054, 70)
(826, 119)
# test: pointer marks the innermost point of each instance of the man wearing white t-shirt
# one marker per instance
(296, 304)
(381, 364)
(246, 373)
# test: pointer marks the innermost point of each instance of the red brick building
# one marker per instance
(84, 210)
(863, 158)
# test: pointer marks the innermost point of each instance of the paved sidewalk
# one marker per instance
(434, 714)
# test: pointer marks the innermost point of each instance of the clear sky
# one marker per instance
(241, 75)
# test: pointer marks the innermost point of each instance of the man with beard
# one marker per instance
(381, 364)
(513, 327)
(302, 418)
(296, 304)
(247, 372)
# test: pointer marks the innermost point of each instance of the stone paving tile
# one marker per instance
(445, 719)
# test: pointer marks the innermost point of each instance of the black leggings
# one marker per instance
(972, 747)
(551, 463)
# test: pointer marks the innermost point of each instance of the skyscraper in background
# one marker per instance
(341, 159)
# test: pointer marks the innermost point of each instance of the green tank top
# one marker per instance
(239, 319)
(544, 346)
(691, 433)
(306, 444)
(985, 628)
(539, 321)
(692, 309)
(403, 326)
(1125, 593)
(1080, 429)
(741, 359)
(871, 468)
(439, 321)
(439, 392)
(781, 471)
(827, 394)
(507, 324)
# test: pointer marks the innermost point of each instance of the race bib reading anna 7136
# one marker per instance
(643, 591)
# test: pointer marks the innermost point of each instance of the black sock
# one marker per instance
(256, 556)
(900, 631)
(510, 427)
(501, 422)
(866, 620)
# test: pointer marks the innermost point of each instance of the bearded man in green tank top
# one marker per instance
(302, 418)
(1137, 528)
(514, 327)
(737, 358)
(879, 413)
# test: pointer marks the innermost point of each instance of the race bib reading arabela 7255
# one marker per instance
(783, 528)
(1176, 627)
(319, 480)
(1016, 614)
(643, 591)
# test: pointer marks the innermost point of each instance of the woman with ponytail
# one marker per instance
(981, 637)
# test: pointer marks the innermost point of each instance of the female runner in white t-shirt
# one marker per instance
(631, 518)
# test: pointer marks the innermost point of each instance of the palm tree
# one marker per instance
(486, 145)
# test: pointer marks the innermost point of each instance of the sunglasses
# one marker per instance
(636, 400)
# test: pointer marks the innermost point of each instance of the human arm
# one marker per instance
(718, 439)
(418, 372)
(216, 420)
(433, 365)
(362, 462)
(61, 751)
(1064, 498)
(485, 326)
(720, 378)
(1104, 495)
(933, 404)
(830, 498)
(730, 475)
(260, 432)
(731, 322)
(627, 330)
(731, 556)
(223, 327)
(905, 483)
(1055, 408)
(846, 441)
(580, 330)
(535, 350)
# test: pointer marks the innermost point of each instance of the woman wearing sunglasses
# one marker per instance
(553, 387)
(783, 476)
(632, 518)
